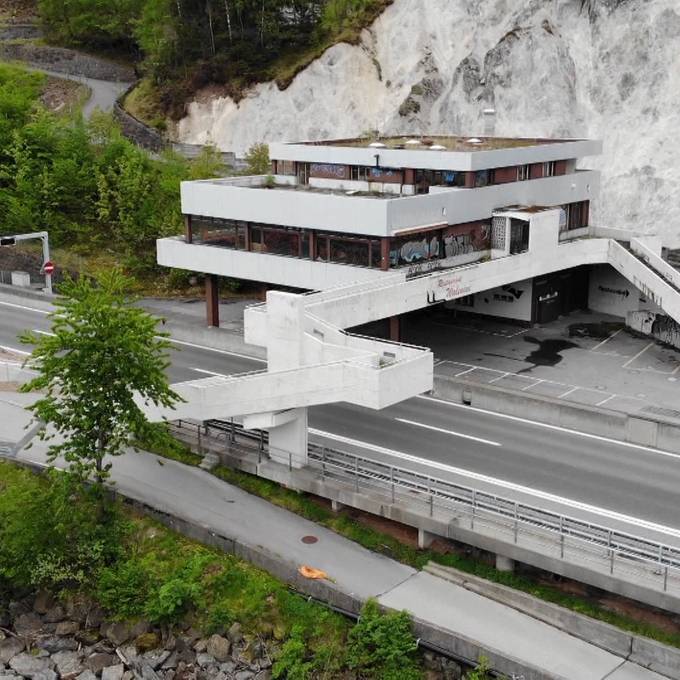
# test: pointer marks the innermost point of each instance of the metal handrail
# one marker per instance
(437, 492)
(437, 495)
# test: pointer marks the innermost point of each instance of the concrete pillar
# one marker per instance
(336, 506)
(285, 351)
(188, 231)
(395, 329)
(288, 443)
(212, 300)
(425, 539)
(505, 564)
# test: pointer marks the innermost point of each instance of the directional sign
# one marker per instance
(48, 267)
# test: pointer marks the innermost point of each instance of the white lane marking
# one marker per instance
(37, 330)
(16, 351)
(28, 309)
(607, 339)
(500, 377)
(202, 370)
(638, 355)
(557, 428)
(605, 400)
(543, 495)
(469, 370)
(568, 392)
(529, 387)
(217, 351)
(451, 432)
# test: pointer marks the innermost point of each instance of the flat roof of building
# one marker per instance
(438, 142)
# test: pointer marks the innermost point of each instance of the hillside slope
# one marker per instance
(601, 68)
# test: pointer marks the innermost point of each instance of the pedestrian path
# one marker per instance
(197, 496)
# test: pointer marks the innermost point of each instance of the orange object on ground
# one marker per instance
(310, 572)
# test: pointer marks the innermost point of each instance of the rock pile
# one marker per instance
(42, 639)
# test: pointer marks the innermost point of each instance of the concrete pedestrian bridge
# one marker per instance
(312, 360)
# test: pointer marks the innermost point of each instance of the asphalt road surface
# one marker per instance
(634, 487)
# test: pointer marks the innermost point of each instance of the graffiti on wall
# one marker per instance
(415, 250)
(448, 288)
(384, 175)
(329, 170)
(478, 238)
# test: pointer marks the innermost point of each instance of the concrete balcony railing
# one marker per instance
(249, 199)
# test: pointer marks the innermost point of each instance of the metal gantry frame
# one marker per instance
(45, 238)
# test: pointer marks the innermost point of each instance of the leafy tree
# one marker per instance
(257, 158)
(104, 352)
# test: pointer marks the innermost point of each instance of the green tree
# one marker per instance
(257, 158)
(105, 354)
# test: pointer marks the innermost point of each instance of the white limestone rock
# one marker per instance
(549, 68)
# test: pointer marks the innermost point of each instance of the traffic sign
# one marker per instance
(48, 267)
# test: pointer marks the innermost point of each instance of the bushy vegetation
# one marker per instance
(52, 537)
(184, 45)
(83, 182)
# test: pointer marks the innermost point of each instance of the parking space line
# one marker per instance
(604, 401)
(500, 377)
(573, 389)
(467, 370)
(638, 355)
(607, 339)
(528, 387)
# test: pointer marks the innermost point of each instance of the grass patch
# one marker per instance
(377, 541)
(162, 443)
(144, 104)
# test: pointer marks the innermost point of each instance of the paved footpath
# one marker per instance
(198, 496)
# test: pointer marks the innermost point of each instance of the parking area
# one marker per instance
(586, 358)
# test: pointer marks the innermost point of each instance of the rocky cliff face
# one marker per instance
(601, 68)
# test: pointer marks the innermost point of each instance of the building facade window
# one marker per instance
(549, 169)
(577, 214)
(523, 172)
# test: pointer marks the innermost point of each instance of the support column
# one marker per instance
(212, 300)
(505, 564)
(188, 230)
(285, 351)
(395, 329)
(425, 539)
(384, 254)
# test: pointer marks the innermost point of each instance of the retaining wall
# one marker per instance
(647, 431)
(63, 60)
(643, 651)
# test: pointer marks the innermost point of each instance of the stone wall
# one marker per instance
(136, 131)
(67, 61)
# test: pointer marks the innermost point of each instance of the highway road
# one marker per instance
(636, 488)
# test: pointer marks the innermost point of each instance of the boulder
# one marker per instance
(53, 644)
(87, 675)
(113, 672)
(54, 614)
(10, 647)
(244, 675)
(28, 665)
(95, 616)
(219, 647)
(47, 674)
(88, 637)
(67, 628)
(68, 663)
(235, 633)
(117, 633)
(201, 646)
(98, 661)
(204, 659)
(147, 641)
(155, 658)
(44, 601)
(28, 624)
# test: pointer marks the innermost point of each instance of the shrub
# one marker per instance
(53, 533)
(382, 645)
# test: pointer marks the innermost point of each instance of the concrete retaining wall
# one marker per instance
(656, 432)
(643, 651)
